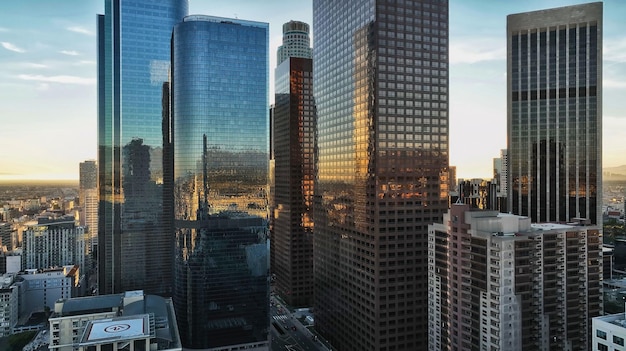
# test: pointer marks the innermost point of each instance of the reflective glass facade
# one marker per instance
(292, 215)
(219, 137)
(134, 245)
(554, 113)
(381, 91)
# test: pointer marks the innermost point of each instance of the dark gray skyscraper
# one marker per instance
(381, 91)
(293, 144)
(135, 251)
(554, 80)
(219, 138)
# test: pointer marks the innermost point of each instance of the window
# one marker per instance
(602, 347)
(601, 334)
(617, 340)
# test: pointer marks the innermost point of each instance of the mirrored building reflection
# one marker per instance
(219, 142)
(381, 93)
(134, 247)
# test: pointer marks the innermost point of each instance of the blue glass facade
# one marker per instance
(219, 100)
(134, 246)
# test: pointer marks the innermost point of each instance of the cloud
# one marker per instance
(62, 79)
(2, 29)
(479, 50)
(11, 47)
(81, 30)
(614, 49)
(85, 62)
(43, 86)
(615, 84)
(69, 52)
(34, 65)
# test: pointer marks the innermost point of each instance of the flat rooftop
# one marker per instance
(105, 331)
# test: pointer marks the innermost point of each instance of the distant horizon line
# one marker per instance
(29, 180)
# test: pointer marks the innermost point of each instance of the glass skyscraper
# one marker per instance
(219, 139)
(554, 81)
(294, 168)
(135, 251)
(381, 91)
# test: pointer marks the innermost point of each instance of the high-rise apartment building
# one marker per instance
(134, 245)
(554, 81)
(7, 236)
(381, 94)
(296, 42)
(53, 243)
(219, 141)
(294, 167)
(499, 282)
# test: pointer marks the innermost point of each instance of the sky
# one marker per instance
(48, 116)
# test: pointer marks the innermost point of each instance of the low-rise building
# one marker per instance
(111, 322)
(609, 332)
(8, 304)
(40, 289)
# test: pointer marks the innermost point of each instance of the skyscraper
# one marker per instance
(554, 80)
(219, 138)
(88, 198)
(296, 42)
(499, 282)
(500, 172)
(88, 182)
(381, 92)
(293, 136)
(134, 247)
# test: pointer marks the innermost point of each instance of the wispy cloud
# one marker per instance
(34, 65)
(69, 52)
(615, 84)
(3, 30)
(473, 51)
(62, 79)
(614, 49)
(81, 30)
(12, 47)
(43, 86)
(86, 62)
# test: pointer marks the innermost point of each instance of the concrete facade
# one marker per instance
(499, 282)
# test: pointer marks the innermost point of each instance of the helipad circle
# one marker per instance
(116, 328)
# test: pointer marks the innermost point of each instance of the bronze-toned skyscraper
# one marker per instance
(554, 80)
(381, 93)
(294, 170)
